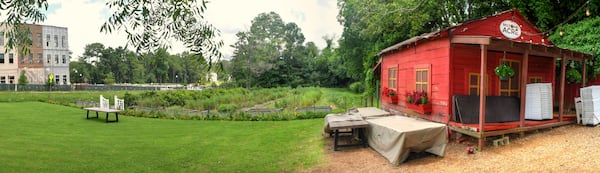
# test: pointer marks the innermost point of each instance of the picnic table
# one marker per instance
(105, 107)
(105, 110)
(336, 122)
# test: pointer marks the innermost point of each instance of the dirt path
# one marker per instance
(570, 148)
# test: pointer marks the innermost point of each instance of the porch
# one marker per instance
(486, 44)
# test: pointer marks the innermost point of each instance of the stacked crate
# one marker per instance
(538, 101)
(590, 105)
(578, 110)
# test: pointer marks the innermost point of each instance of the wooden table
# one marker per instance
(107, 111)
(360, 125)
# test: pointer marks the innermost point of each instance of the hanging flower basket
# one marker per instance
(573, 76)
(504, 72)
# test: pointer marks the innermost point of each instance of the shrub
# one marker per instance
(226, 108)
(357, 87)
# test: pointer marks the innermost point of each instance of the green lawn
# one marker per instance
(41, 137)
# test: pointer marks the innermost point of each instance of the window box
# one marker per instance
(394, 99)
(420, 108)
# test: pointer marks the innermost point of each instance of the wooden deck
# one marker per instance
(483, 135)
(474, 131)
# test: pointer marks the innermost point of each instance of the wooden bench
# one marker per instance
(105, 110)
(105, 107)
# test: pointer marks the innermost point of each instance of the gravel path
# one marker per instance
(571, 148)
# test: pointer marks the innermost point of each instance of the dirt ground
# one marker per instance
(571, 148)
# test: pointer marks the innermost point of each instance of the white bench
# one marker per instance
(119, 103)
(104, 107)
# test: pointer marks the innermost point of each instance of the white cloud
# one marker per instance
(83, 19)
(316, 18)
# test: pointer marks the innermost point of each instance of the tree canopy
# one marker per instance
(100, 64)
(370, 26)
(150, 25)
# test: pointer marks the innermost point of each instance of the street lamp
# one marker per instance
(76, 72)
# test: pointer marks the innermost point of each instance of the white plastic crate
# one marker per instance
(578, 109)
(590, 119)
(538, 101)
(591, 92)
(590, 105)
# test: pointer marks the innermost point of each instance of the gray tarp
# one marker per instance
(357, 114)
(395, 137)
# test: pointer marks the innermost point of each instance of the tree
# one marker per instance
(257, 48)
(370, 26)
(92, 53)
(23, 79)
(581, 36)
(271, 53)
(149, 24)
(109, 79)
(19, 12)
(549, 15)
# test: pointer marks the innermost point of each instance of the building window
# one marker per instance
(38, 41)
(55, 59)
(30, 58)
(30, 36)
(1, 58)
(2, 79)
(535, 79)
(392, 77)
(22, 58)
(510, 87)
(1, 38)
(64, 59)
(422, 79)
(57, 79)
(48, 57)
(11, 79)
(40, 58)
(55, 40)
(48, 40)
(11, 58)
(64, 79)
(64, 41)
(474, 83)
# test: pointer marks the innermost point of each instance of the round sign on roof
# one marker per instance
(510, 29)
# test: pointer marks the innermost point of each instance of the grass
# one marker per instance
(63, 97)
(41, 137)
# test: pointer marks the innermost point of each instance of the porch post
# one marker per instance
(553, 84)
(524, 74)
(583, 80)
(561, 106)
(482, 94)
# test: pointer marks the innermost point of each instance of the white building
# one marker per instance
(211, 77)
(48, 54)
(8, 63)
(56, 52)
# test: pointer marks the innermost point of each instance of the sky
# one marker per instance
(83, 18)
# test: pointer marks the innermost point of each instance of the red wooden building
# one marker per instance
(460, 60)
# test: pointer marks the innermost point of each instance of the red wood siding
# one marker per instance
(432, 52)
(541, 67)
(466, 59)
(490, 26)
